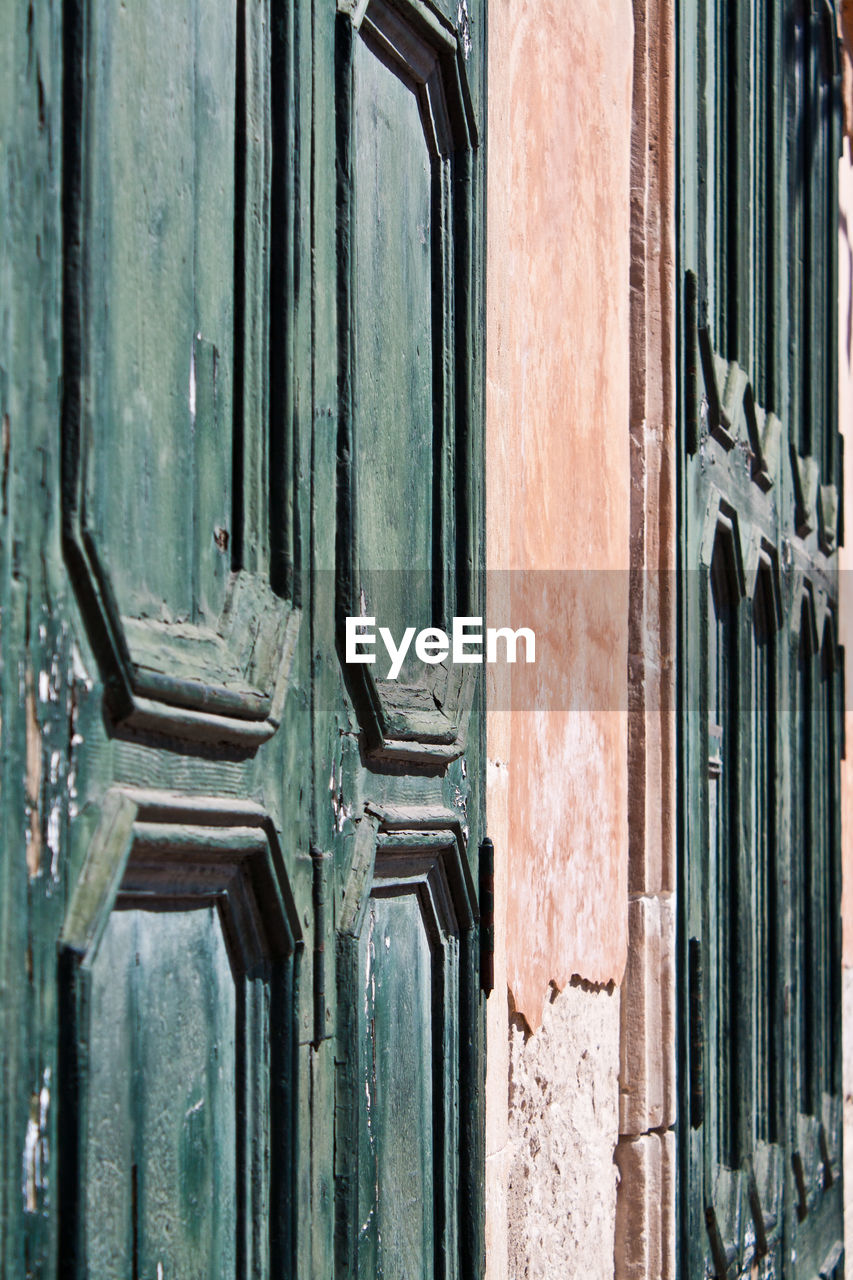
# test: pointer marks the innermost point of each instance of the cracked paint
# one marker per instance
(36, 1148)
(33, 779)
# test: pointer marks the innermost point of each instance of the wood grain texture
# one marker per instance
(396, 1202)
(393, 357)
(160, 282)
(162, 1115)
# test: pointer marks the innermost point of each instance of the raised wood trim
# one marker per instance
(154, 846)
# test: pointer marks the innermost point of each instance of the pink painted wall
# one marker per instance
(558, 478)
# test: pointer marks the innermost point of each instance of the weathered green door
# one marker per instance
(760, 686)
(240, 389)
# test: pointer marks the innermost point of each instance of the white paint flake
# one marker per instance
(81, 675)
(463, 24)
(54, 819)
(192, 382)
(36, 1149)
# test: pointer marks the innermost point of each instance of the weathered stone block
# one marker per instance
(642, 1071)
(668, 1012)
(638, 1241)
(561, 1179)
(669, 1174)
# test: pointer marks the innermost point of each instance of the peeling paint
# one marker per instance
(30, 1149)
(55, 679)
(460, 802)
(36, 1148)
(342, 811)
(192, 382)
(81, 675)
(53, 836)
(370, 1074)
(72, 792)
(33, 779)
(463, 25)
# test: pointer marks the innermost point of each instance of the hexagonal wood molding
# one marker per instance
(155, 848)
(722, 528)
(417, 847)
(734, 416)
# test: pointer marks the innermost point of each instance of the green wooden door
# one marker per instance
(761, 683)
(244, 1030)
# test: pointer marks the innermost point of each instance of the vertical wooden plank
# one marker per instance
(394, 310)
(160, 254)
(215, 290)
(289, 114)
(330, 191)
(736, 92)
(111, 1193)
(34, 643)
(141, 255)
(209, 405)
(397, 1163)
(796, 80)
(772, 149)
(8, 85)
(185, 1092)
(261, 499)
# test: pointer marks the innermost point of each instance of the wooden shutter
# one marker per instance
(760, 708)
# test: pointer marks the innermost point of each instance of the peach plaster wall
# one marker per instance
(558, 472)
(558, 498)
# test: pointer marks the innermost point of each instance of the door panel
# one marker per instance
(162, 1097)
(160, 255)
(397, 1171)
(167, 484)
(408, 909)
(177, 988)
(393, 344)
(409, 315)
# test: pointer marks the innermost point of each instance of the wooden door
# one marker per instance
(245, 1027)
(761, 678)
